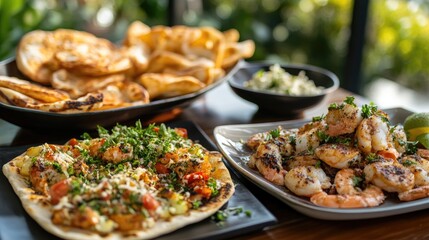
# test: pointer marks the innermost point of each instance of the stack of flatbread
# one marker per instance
(74, 71)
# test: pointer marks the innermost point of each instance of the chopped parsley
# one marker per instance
(335, 106)
(323, 137)
(212, 184)
(222, 215)
(372, 157)
(86, 136)
(368, 110)
(408, 163)
(318, 164)
(275, 133)
(292, 139)
(196, 204)
(357, 181)
(318, 118)
(411, 147)
(350, 100)
(57, 167)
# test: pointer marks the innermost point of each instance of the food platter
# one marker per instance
(24, 227)
(36, 119)
(230, 140)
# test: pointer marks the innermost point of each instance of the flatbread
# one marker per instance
(91, 101)
(40, 93)
(40, 208)
(164, 85)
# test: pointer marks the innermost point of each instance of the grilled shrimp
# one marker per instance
(283, 140)
(268, 161)
(349, 196)
(286, 146)
(343, 119)
(338, 155)
(307, 180)
(420, 168)
(414, 194)
(398, 138)
(307, 138)
(257, 139)
(390, 176)
(373, 136)
(115, 153)
(301, 160)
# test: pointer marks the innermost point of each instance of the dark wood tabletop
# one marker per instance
(221, 107)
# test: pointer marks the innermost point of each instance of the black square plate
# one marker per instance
(15, 223)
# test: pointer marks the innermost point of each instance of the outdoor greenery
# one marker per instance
(295, 31)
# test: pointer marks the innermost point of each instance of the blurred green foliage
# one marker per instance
(397, 44)
(104, 18)
(296, 31)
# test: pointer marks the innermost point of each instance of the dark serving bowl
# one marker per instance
(281, 104)
(36, 119)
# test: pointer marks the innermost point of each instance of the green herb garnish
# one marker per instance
(357, 181)
(318, 118)
(212, 184)
(350, 100)
(411, 147)
(408, 163)
(222, 215)
(368, 110)
(275, 133)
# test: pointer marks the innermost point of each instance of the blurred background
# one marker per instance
(380, 53)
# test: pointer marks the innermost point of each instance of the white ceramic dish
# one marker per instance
(230, 140)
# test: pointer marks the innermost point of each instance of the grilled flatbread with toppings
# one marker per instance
(132, 182)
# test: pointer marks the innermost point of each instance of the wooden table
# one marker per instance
(221, 106)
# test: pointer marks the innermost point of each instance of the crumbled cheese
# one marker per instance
(63, 203)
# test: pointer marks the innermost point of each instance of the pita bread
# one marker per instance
(78, 85)
(124, 94)
(85, 103)
(41, 210)
(40, 53)
(163, 85)
(40, 93)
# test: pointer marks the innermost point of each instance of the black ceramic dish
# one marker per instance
(279, 103)
(36, 119)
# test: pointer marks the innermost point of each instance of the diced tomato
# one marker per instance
(182, 132)
(192, 177)
(53, 148)
(75, 152)
(73, 142)
(59, 190)
(204, 191)
(149, 202)
(49, 155)
(161, 168)
(172, 156)
(156, 129)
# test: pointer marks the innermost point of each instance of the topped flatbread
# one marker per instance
(132, 182)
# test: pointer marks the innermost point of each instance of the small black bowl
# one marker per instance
(281, 104)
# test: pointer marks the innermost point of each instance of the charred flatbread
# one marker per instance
(131, 183)
(40, 93)
(91, 101)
